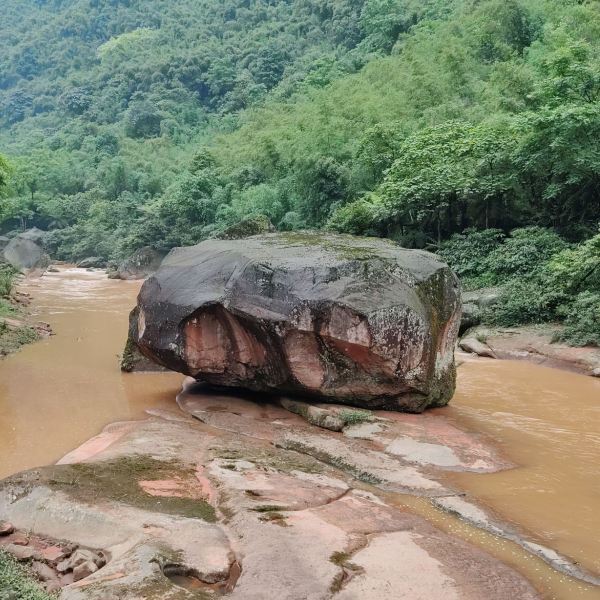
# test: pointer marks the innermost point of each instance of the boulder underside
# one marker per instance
(354, 320)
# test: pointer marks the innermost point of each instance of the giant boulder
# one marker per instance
(25, 254)
(353, 320)
(140, 264)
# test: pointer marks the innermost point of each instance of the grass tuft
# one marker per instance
(17, 582)
(355, 417)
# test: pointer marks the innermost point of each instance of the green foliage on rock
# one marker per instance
(17, 582)
(7, 278)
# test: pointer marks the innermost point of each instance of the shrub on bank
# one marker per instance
(543, 278)
(582, 320)
(17, 582)
(7, 277)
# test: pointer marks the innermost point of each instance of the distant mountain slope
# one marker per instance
(133, 122)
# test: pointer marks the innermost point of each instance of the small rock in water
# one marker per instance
(6, 528)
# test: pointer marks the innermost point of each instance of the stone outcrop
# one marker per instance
(92, 262)
(36, 235)
(246, 228)
(140, 264)
(354, 320)
(474, 303)
(535, 343)
(25, 252)
(474, 346)
(244, 496)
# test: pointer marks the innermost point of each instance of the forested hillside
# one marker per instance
(160, 122)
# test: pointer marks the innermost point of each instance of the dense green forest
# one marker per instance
(468, 127)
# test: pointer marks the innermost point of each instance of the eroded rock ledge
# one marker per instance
(354, 320)
(535, 343)
(234, 496)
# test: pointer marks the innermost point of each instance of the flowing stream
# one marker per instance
(59, 392)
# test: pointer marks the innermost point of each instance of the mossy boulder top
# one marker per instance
(353, 320)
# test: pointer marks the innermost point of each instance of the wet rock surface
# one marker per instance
(355, 320)
(234, 496)
(25, 251)
(142, 263)
(534, 343)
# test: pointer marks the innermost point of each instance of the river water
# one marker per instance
(59, 392)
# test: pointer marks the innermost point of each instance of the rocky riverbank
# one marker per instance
(271, 498)
(534, 343)
(17, 326)
(232, 495)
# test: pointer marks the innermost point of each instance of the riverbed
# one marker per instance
(61, 391)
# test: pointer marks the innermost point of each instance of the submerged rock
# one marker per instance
(355, 320)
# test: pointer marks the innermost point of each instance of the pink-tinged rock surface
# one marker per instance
(536, 344)
(356, 320)
(249, 500)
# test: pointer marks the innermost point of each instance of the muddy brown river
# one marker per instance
(59, 392)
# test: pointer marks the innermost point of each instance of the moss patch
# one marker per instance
(17, 582)
(118, 480)
(343, 247)
(265, 508)
(13, 339)
(355, 417)
(285, 462)
(337, 462)
(339, 558)
(128, 358)
(274, 517)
